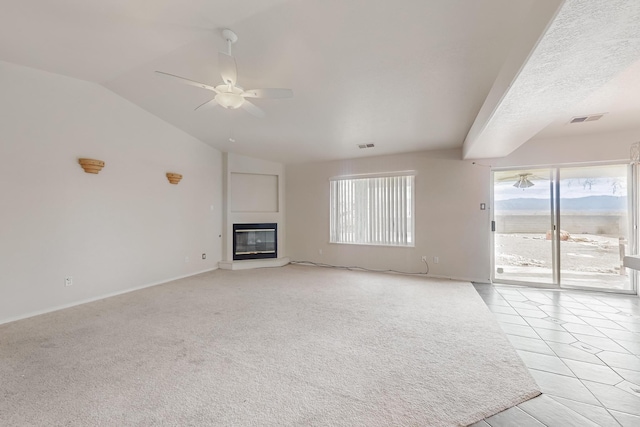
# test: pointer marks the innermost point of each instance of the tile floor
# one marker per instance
(583, 350)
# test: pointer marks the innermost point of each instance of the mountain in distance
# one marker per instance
(586, 204)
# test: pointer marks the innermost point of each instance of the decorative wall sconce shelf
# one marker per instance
(91, 165)
(174, 178)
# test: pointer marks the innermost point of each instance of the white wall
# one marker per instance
(252, 192)
(570, 150)
(124, 228)
(238, 164)
(449, 222)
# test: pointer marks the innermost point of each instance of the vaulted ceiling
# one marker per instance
(404, 75)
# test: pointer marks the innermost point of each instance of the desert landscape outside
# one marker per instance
(589, 206)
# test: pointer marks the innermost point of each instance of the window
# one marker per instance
(372, 210)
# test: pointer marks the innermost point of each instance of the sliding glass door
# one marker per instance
(594, 226)
(523, 220)
(565, 226)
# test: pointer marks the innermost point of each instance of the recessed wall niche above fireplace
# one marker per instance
(255, 241)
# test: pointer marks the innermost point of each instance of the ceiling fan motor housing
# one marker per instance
(229, 97)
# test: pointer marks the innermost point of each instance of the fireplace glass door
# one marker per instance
(254, 241)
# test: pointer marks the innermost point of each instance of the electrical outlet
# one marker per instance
(319, 251)
(186, 259)
(424, 258)
(436, 260)
(204, 256)
(68, 281)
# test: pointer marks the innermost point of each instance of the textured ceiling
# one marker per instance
(619, 99)
(585, 63)
(408, 75)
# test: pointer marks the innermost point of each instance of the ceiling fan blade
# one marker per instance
(508, 178)
(207, 105)
(228, 69)
(268, 93)
(187, 81)
(253, 109)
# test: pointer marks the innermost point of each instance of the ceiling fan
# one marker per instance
(228, 94)
(523, 180)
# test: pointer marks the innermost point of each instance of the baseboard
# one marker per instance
(253, 263)
(460, 279)
(426, 275)
(109, 295)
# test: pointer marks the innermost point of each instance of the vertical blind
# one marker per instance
(376, 211)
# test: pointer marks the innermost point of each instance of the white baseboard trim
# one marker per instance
(459, 279)
(425, 275)
(253, 263)
(109, 295)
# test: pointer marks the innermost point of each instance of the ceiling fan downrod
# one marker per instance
(230, 37)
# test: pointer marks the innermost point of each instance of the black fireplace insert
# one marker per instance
(255, 241)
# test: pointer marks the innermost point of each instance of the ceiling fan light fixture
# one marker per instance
(229, 100)
(228, 94)
(523, 182)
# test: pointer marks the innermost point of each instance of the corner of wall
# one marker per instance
(240, 164)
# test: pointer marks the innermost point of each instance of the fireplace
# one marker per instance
(255, 241)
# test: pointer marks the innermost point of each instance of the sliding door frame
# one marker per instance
(552, 222)
(633, 187)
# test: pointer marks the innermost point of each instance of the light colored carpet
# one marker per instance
(271, 347)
